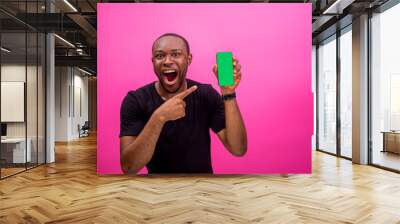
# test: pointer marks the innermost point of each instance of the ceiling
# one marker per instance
(76, 22)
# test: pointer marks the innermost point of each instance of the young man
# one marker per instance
(165, 124)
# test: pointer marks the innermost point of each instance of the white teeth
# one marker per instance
(169, 71)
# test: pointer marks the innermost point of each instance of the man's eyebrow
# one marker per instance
(161, 51)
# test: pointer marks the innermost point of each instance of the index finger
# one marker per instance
(186, 93)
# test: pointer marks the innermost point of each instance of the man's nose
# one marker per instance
(167, 60)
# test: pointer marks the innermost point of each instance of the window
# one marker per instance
(346, 92)
(385, 88)
(327, 95)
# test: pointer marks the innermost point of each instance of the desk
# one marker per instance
(391, 141)
(15, 148)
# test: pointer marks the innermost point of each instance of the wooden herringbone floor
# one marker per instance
(70, 191)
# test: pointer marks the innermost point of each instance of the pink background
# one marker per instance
(273, 45)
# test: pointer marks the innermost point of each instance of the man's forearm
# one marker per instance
(138, 153)
(235, 130)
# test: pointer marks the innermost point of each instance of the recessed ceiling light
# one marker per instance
(64, 40)
(86, 72)
(338, 6)
(5, 50)
(70, 5)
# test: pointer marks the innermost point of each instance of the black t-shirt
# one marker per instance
(184, 144)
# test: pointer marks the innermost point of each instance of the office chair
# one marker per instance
(84, 130)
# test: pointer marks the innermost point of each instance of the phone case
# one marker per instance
(225, 68)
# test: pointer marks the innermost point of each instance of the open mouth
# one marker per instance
(170, 76)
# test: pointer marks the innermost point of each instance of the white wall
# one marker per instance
(71, 94)
(62, 80)
(80, 102)
(13, 73)
(13, 101)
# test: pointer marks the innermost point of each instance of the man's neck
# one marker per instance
(166, 95)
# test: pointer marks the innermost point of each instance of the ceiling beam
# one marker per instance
(337, 7)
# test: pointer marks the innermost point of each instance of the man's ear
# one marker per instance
(190, 59)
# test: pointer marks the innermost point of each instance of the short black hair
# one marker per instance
(175, 35)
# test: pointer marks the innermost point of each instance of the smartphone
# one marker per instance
(225, 68)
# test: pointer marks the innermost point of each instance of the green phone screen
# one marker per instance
(225, 69)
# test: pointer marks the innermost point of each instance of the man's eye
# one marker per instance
(175, 55)
(159, 56)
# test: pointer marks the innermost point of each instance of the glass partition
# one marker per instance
(14, 153)
(22, 77)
